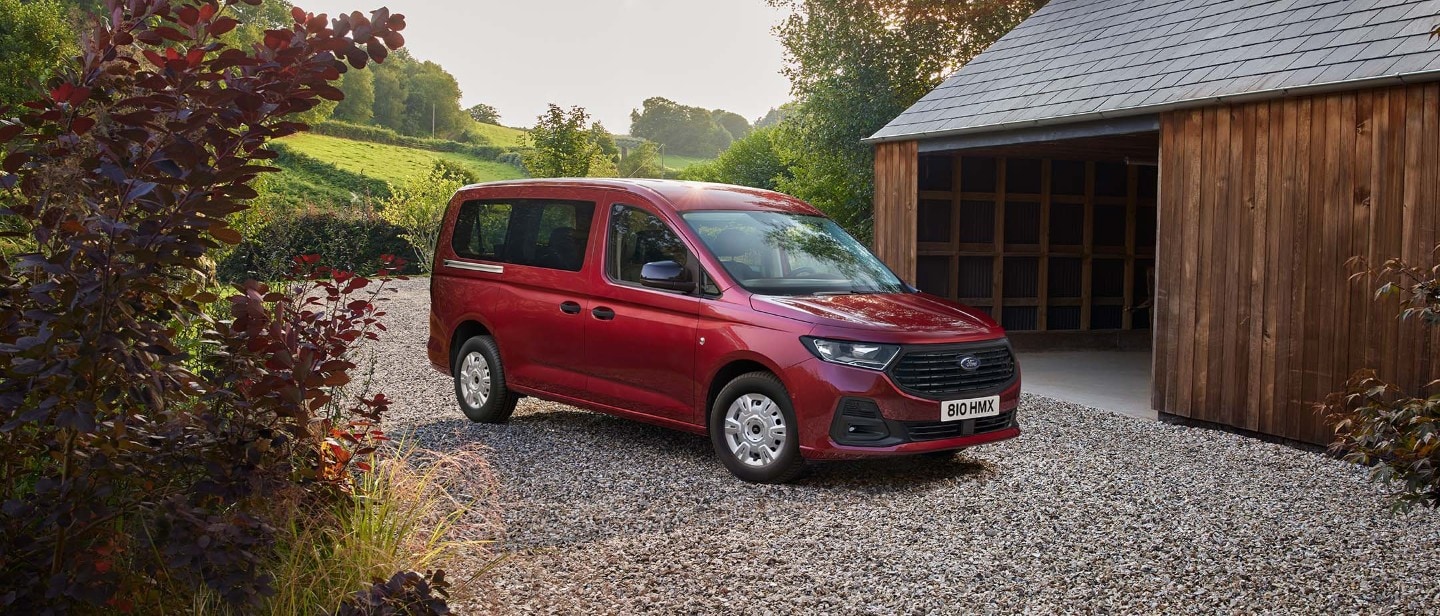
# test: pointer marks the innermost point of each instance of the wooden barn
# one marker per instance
(1189, 176)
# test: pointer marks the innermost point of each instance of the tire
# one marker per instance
(482, 402)
(762, 444)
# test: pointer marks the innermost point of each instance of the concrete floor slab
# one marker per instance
(1113, 380)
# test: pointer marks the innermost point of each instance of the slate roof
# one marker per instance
(1077, 60)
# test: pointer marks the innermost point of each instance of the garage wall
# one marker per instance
(895, 200)
(1261, 206)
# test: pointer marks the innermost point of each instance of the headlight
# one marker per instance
(859, 354)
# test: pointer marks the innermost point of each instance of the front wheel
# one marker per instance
(753, 430)
(480, 382)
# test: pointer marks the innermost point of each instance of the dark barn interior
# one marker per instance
(1056, 240)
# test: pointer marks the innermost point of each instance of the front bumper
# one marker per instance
(910, 424)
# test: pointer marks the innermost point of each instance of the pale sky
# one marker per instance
(605, 55)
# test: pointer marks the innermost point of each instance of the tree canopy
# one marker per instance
(563, 145)
(484, 114)
(35, 38)
(682, 129)
(854, 65)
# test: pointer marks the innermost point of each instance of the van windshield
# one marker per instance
(772, 253)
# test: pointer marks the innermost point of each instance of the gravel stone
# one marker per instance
(1087, 512)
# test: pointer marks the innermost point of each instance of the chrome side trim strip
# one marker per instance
(476, 267)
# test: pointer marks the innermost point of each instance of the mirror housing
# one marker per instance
(668, 276)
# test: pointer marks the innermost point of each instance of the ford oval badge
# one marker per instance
(969, 363)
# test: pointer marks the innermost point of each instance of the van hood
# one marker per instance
(891, 312)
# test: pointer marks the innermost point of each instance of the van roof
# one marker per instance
(683, 196)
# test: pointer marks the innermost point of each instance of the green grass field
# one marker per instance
(679, 163)
(391, 163)
(502, 136)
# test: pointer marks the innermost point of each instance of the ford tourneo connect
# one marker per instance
(736, 312)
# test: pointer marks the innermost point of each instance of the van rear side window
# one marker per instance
(536, 232)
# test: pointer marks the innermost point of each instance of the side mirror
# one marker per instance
(666, 275)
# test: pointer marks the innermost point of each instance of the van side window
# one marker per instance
(638, 237)
(536, 232)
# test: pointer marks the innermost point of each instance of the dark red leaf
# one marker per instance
(297, 14)
(82, 125)
(394, 40)
(10, 131)
(223, 26)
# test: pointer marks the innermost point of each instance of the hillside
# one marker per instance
(502, 136)
(391, 163)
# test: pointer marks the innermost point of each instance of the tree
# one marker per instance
(389, 107)
(685, 130)
(643, 161)
(754, 161)
(774, 116)
(35, 38)
(484, 114)
(853, 66)
(604, 141)
(562, 146)
(358, 105)
(418, 205)
(733, 123)
(432, 102)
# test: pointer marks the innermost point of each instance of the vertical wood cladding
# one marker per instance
(895, 206)
(1261, 206)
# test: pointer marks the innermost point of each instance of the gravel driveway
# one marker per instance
(1088, 511)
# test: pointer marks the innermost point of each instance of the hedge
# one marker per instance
(353, 240)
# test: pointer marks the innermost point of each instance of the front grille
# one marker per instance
(935, 430)
(936, 373)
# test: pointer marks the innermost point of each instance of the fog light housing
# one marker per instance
(858, 422)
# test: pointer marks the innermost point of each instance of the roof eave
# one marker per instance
(1110, 114)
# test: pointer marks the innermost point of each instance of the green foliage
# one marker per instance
(35, 39)
(418, 207)
(1380, 425)
(255, 20)
(358, 107)
(643, 161)
(347, 185)
(681, 129)
(733, 123)
(604, 141)
(775, 116)
(353, 238)
(419, 99)
(403, 516)
(853, 66)
(484, 114)
(389, 110)
(128, 475)
(754, 161)
(562, 146)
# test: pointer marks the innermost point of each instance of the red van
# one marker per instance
(741, 313)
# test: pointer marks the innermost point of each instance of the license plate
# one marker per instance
(960, 410)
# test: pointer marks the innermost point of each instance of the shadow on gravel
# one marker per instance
(894, 475)
(588, 430)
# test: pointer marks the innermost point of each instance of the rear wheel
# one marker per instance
(753, 429)
(480, 382)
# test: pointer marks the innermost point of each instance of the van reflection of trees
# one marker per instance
(813, 238)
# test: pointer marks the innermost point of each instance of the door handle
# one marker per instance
(570, 308)
(603, 313)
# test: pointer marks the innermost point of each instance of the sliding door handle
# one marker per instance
(570, 308)
(603, 313)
